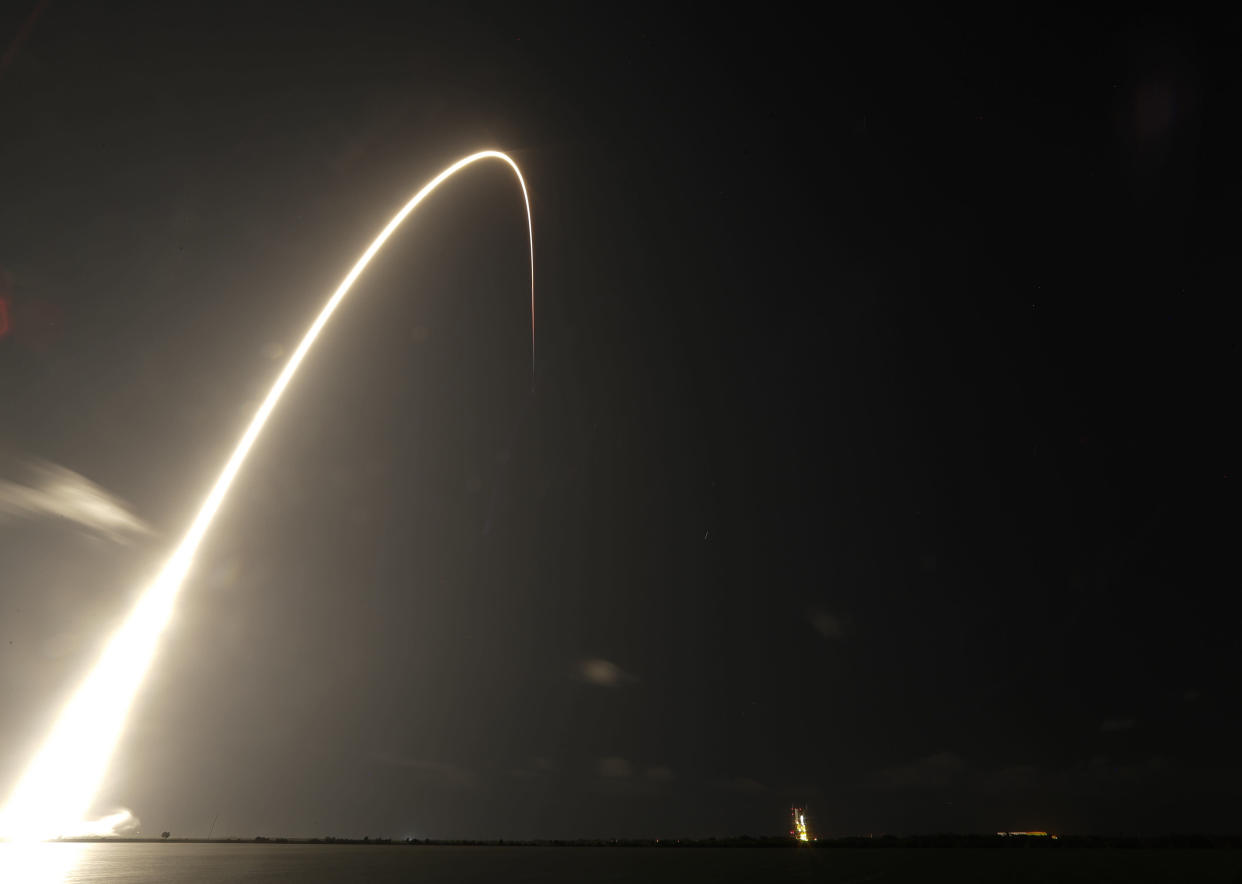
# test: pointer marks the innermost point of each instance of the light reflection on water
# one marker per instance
(39, 863)
(250, 863)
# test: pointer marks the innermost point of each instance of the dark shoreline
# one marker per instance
(1162, 842)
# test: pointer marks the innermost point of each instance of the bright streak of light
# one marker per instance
(799, 830)
(57, 789)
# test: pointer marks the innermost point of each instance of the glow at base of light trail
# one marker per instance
(56, 791)
(799, 825)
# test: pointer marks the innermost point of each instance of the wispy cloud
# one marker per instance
(120, 822)
(604, 673)
(1115, 725)
(47, 490)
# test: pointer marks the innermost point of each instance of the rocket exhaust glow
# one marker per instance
(56, 790)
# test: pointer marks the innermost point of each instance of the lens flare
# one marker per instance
(55, 792)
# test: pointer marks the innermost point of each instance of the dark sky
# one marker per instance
(877, 450)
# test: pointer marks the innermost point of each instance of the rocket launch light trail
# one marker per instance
(56, 791)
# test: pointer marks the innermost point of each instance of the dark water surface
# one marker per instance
(330, 864)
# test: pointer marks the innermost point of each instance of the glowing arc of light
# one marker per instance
(58, 787)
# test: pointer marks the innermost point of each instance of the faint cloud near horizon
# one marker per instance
(48, 490)
(604, 673)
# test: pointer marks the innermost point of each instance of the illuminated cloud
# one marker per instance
(603, 673)
(52, 491)
(120, 822)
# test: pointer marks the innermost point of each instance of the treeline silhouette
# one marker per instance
(1038, 842)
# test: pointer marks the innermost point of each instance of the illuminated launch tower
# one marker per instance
(799, 831)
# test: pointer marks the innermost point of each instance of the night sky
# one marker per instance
(875, 456)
